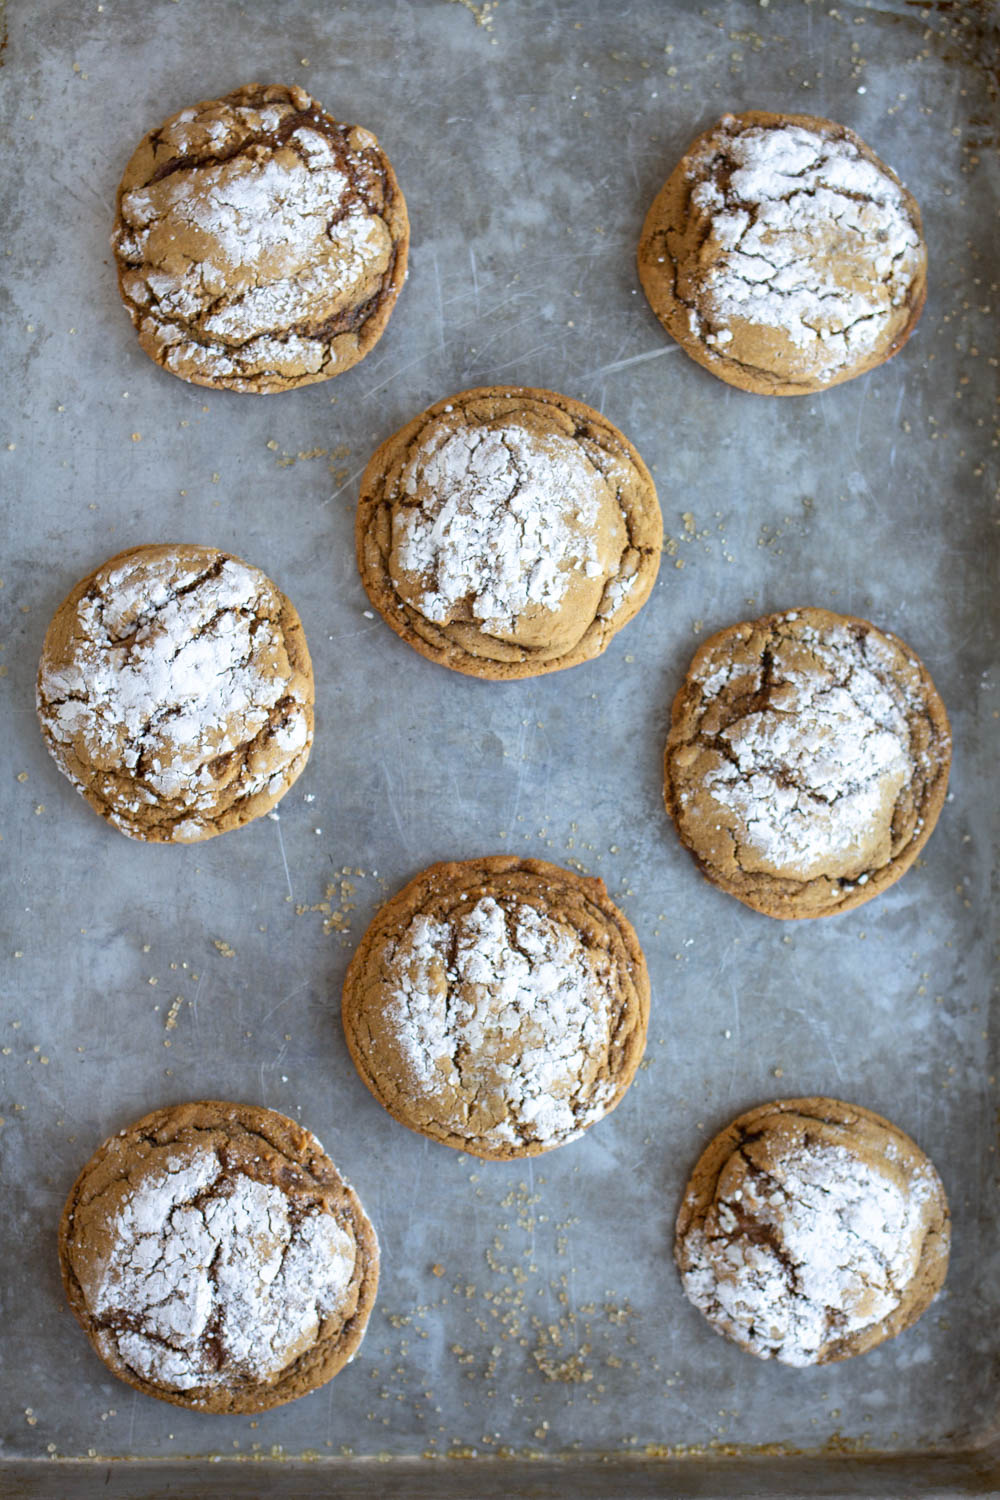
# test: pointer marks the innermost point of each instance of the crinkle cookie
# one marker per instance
(215, 1258)
(812, 1230)
(260, 244)
(175, 691)
(807, 761)
(507, 532)
(783, 256)
(498, 1006)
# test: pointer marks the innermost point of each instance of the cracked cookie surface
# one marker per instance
(807, 761)
(812, 1230)
(175, 691)
(216, 1259)
(498, 1005)
(507, 532)
(783, 255)
(260, 244)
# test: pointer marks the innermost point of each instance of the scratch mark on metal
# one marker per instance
(284, 861)
(194, 1002)
(505, 330)
(895, 423)
(390, 795)
(347, 482)
(283, 1001)
(475, 277)
(442, 341)
(395, 374)
(526, 354)
(520, 772)
(531, 1207)
(634, 359)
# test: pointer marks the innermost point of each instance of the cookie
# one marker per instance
(499, 1005)
(215, 1258)
(783, 256)
(807, 761)
(260, 244)
(176, 693)
(812, 1230)
(508, 532)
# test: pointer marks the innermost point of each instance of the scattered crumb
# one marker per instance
(483, 12)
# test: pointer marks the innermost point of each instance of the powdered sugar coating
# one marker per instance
(174, 690)
(504, 522)
(507, 1001)
(216, 1259)
(811, 1231)
(816, 241)
(783, 255)
(212, 1275)
(807, 761)
(506, 532)
(260, 244)
(498, 1005)
(812, 773)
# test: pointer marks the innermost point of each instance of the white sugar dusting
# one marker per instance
(211, 1276)
(814, 775)
(228, 259)
(816, 241)
(831, 1246)
(246, 209)
(616, 594)
(521, 1012)
(504, 522)
(170, 671)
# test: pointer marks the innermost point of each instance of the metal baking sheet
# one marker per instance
(529, 1321)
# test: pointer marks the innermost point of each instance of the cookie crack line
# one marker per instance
(733, 199)
(352, 318)
(750, 1225)
(562, 1013)
(101, 599)
(753, 221)
(724, 357)
(894, 1253)
(782, 774)
(170, 666)
(270, 140)
(620, 531)
(231, 165)
(817, 749)
(715, 324)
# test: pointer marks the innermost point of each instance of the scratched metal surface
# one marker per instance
(529, 149)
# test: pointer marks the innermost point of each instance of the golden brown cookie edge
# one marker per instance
(399, 228)
(298, 652)
(457, 872)
(673, 314)
(378, 586)
(937, 1241)
(297, 1145)
(898, 866)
